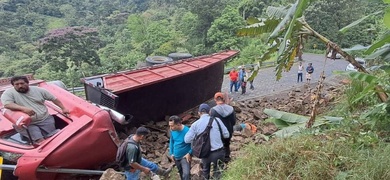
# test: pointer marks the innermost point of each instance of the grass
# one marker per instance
(352, 150)
(325, 156)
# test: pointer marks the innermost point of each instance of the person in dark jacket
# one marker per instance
(226, 113)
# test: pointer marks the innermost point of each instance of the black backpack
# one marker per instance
(121, 159)
(201, 145)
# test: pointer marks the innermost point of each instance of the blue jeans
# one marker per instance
(144, 162)
(300, 77)
(233, 84)
(184, 168)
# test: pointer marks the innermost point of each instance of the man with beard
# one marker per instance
(30, 100)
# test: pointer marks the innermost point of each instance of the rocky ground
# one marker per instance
(284, 95)
(297, 99)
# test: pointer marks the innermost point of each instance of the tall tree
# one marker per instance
(222, 33)
(207, 11)
(325, 17)
(77, 44)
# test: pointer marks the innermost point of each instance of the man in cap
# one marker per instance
(217, 153)
(136, 163)
(226, 113)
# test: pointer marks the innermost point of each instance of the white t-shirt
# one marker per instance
(300, 69)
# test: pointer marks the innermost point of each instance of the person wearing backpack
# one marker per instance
(179, 150)
(226, 113)
(218, 131)
(135, 163)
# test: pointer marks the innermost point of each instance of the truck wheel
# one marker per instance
(152, 60)
(178, 56)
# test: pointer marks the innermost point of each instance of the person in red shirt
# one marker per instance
(233, 80)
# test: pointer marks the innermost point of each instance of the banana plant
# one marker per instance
(287, 37)
(287, 27)
(290, 123)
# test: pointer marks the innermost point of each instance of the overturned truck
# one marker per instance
(88, 139)
(150, 94)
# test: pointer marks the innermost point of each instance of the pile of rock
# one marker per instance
(298, 100)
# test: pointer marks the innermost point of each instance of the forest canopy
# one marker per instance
(66, 40)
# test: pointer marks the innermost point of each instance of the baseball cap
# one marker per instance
(204, 107)
(219, 94)
(237, 127)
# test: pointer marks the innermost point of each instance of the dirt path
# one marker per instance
(265, 83)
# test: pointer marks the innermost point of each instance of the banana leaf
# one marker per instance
(357, 47)
(285, 22)
(296, 129)
(349, 26)
(252, 20)
(333, 119)
(370, 79)
(385, 68)
(285, 116)
(386, 18)
(383, 41)
(277, 12)
(290, 123)
(278, 122)
(381, 52)
(256, 29)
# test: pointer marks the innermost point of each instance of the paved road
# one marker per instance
(265, 83)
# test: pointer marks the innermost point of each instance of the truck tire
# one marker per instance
(179, 56)
(153, 60)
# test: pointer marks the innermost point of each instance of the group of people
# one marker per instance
(239, 79)
(181, 136)
(30, 100)
(309, 72)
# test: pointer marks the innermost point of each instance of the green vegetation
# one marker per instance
(66, 40)
(129, 31)
(331, 155)
(355, 148)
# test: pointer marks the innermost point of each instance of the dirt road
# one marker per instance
(265, 83)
